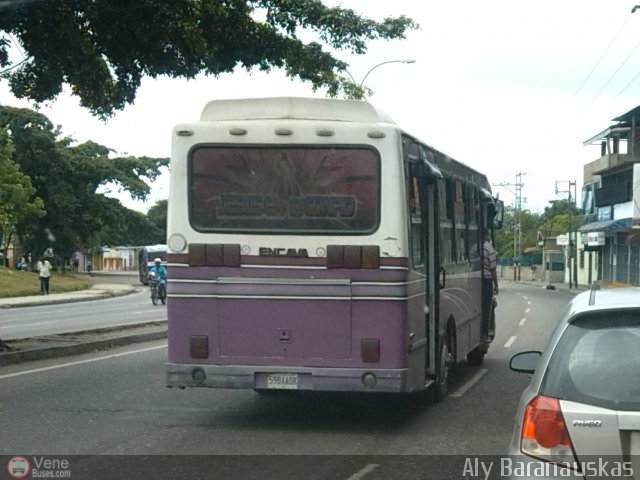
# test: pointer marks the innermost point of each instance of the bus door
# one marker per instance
(436, 278)
(425, 263)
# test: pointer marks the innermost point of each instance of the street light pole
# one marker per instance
(380, 64)
(359, 87)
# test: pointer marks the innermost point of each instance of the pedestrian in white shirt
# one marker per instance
(44, 272)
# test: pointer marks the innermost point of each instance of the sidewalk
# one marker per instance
(53, 346)
(97, 291)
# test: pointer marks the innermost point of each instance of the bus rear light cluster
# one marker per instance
(214, 255)
(544, 432)
(353, 256)
(199, 346)
(370, 350)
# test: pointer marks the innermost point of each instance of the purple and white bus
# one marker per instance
(314, 245)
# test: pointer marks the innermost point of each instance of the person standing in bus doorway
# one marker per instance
(44, 272)
(489, 281)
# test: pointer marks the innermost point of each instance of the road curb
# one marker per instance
(53, 301)
(12, 357)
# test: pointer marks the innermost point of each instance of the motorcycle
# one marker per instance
(157, 288)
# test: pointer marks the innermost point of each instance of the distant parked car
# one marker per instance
(582, 407)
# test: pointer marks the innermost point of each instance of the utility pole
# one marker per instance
(572, 249)
(517, 226)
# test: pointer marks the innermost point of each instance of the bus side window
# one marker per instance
(415, 213)
(446, 221)
(474, 222)
(462, 254)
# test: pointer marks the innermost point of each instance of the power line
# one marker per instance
(603, 54)
(15, 65)
(628, 84)
(636, 7)
(618, 69)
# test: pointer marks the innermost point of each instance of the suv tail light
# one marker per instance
(544, 432)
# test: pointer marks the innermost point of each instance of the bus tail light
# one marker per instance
(335, 256)
(353, 256)
(199, 346)
(544, 432)
(370, 256)
(370, 350)
(214, 255)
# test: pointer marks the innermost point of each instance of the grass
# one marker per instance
(17, 283)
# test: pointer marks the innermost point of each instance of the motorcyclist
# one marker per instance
(159, 273)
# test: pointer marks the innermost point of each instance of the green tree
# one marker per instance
(560, 217)
(129, 227)
(157, 215)
(103, 48)
(528, 232)
(67, 177)
(18, 202)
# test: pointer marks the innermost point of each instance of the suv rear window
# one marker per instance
(597, 362)
(284, 189)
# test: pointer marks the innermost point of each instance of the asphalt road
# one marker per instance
(115, 403)
(43, 320)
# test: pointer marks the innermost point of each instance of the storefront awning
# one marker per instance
(618, 224)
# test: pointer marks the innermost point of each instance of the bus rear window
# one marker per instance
(284, 190)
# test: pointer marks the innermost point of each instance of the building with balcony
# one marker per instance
(610, 225)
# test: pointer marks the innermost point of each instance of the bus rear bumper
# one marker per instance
(289, 378)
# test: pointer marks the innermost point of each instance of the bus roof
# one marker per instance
(298, 108)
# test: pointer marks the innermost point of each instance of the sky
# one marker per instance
(505, 86)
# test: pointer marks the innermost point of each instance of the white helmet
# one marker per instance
(157, 260)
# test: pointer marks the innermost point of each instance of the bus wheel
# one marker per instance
(442, 377)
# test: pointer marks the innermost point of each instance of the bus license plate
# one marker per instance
(287, 381)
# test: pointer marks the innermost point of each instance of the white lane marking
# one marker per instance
(475, 379)
(529, 302)
(71, 364)
(525, 297)
(510, 342)
(522, 321)
(364, 471)
(30, 324)
(527, 310)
